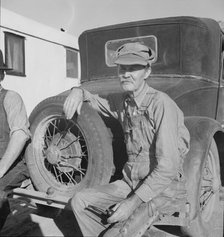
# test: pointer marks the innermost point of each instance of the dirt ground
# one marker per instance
(27, 219)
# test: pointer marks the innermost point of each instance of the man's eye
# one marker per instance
(137, 67)
(122, 70)
(131, 68)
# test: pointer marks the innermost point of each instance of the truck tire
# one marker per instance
(209, 219)
(65, 156)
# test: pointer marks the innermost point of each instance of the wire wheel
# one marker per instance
(210, 184)
(204, 195)
(63, 151)
(68, 155)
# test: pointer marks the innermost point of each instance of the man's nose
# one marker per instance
(126, 74)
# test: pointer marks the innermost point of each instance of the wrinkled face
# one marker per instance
(132, 77)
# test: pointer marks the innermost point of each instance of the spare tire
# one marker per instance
(68, 155)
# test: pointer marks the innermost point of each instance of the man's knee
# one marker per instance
(77, 202)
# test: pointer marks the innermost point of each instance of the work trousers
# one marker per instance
(92, 221)
(12, 179)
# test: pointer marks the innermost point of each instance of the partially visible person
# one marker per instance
(14, 133)
(156, 142)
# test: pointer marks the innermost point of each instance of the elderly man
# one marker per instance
(14, 133)
(156, 142)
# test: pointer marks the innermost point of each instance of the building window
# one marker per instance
(71, 63)
(15, 54)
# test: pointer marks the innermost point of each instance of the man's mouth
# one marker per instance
(126, 81)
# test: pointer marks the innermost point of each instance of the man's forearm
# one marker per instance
(13, 150)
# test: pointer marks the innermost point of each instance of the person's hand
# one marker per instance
(124, 209)
(73, 102)
(2, 172)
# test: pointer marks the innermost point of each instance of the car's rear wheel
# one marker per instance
(209, 219)
(68, 155)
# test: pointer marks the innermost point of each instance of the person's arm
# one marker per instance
(78, 95)
(14, 148)
(167, 118)
(73, 102)
(19, 130)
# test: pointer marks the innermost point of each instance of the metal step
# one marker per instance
(48, 198)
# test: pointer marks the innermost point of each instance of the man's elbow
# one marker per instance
(21, 136)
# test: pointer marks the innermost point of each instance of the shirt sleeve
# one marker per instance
(167, 118)
(16, 113)
(106, 106)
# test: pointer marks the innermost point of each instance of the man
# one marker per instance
(14, 133)
(156, 142)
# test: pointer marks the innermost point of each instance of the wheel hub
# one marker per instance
(53, 154)
(64, 151)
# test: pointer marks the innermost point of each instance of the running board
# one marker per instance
(53, 200)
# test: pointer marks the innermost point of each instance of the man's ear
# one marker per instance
(148, 72)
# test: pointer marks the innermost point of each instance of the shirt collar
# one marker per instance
(139, 99)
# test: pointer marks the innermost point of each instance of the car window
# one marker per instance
(112, 45)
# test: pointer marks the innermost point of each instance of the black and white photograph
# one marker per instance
(112, 118)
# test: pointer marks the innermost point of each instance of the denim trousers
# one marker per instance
(12, 179)
(89, 205)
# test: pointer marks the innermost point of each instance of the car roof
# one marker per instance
(186, 46)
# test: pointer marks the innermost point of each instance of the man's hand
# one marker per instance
(2, 172)
(73, 102)
(124, 209)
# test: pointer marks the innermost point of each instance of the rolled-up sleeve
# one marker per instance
(16, 113)
(167, 117)
(106, 106)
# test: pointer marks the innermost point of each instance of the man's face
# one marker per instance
(132, 77)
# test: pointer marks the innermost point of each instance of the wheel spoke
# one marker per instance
(69, 124)
(70, 165)
(70, 157)
(69, 176)
(55, 173)
(54, 127)
(84, 155)
(75, 140)
(62, 135)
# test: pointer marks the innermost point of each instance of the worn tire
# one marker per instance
(68, 155)
(209, 219)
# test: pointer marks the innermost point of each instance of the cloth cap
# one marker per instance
(134, 53)
(2, 65)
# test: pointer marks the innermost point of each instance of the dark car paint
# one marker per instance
(186, 46)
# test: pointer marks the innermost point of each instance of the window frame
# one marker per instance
(76, 76)
(110, 54)
(15, 72)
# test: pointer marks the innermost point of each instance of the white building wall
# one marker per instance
(45, 59)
